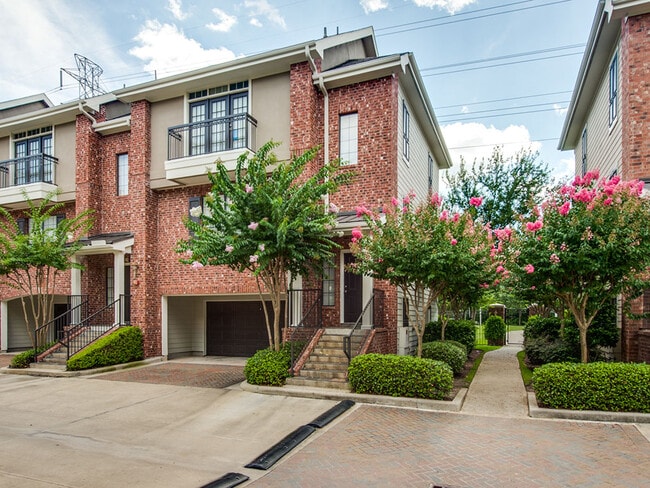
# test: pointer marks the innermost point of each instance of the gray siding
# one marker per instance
(186, 325)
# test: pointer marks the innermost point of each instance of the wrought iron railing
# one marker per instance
(55, 329)
(36, 168)
(376, 306)
(211, 136)
(304, 319)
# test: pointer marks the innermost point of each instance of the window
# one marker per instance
(430, 163)
(613, 88)
(328, 285)
(110, 285)
(219, 124)
(26, 226)
(31, 164)
(584, 152)
(349, 138)
(406, 130)
(123, 174)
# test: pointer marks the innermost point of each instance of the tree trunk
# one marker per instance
(584, 349)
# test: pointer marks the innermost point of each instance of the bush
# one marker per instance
(495, 330)
(541, 351)
(542, 327)
(463, 331)
(459, 345)
(446, 352)
(613, 387)
(405, 376)
(122, 346)
(268, 367)
(25, 358)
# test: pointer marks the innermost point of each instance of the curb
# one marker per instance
(537, 412)
(330, 394)
(53, 373)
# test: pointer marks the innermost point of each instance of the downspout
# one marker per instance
(83, 111)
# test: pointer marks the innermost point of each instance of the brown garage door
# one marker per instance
(236, 328)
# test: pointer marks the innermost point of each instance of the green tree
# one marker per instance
(270, 220)
(426, 252)
(589, 244)
(31, 261)
(508, 186)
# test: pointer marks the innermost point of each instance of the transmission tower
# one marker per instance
(87, 74)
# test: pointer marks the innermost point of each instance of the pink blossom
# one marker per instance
(533, 287)
(229, 248)
(394, 201)
(405, 209)
(533, 226)
(585, 195)
(253, 258)
(453, 241)
(406, 200)
(484, 285)
(503, 234)
(455, 217)
(189, 253)
(614, 180)
(333, 208)
(444, 215)
(564, 208)
(248, 188)
(564, 246)
(529, 268)
(577, 181)
(436, 200)
(476, 201)
(356, 234)
(555, 258)
(261, 247)
(500, 269)
(607, 202)
(363, 210)
(590, 176)
(196, 265)
(253, 225)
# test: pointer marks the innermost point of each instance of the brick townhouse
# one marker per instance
(139, 157)
(607, 124)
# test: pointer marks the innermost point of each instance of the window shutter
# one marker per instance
(23, 227)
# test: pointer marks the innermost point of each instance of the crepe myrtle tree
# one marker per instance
(425, 251)
(33, 253)
(589, 244)
(269, 220)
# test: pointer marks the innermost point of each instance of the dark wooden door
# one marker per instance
(352, 291)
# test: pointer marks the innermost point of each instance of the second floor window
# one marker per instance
(349, 138)
(219, 124)
(430, 166)
(31, 166)
(123, 174)
(613, 89)
(406, 129)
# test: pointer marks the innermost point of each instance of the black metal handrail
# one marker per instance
(211, 136)
(309, 302)
(377, 314)
(78, 309)
(35, 168)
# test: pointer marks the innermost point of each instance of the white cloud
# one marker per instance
(370, 6)
(255, 23)
(565, 169)
(451, 6)
(473, 142)
(225, 21)
(560, 110)
(464, 110)
(176, 8)
(262, 8)
(166, 49)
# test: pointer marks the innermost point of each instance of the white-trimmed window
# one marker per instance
(583, 147)
(613, 89)
(110, 285)
(123, 174)
(406, 129)
(349, 138)
(328, 285)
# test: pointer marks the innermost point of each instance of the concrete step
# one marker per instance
(46, 365)
(323, 374)
(328, 359)
(320, 366)
(336, 384)
(319, 351)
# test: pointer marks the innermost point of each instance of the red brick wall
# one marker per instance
(644, 346)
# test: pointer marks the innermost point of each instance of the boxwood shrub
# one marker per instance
(268, 367)
(446, 352)
(405, 376)
(122, 346)
(495, 330)
(25, 358)
(613, 387)
(463, 331)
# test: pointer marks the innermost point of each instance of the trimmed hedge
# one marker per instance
(268, 367)
(495, 330)
(463, 331)
(122, 346)
(405, 376)
(25, 358)
(612, 387)
(446, 352)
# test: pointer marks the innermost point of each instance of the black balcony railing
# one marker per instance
(211, 136)
(36, 168)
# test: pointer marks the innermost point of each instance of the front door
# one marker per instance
(352, 291)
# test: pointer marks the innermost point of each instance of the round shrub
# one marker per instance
(463, 331)
(446, 352)
(268, 367)
(542, 327)
(495, 330)
(613, 387)
(459, 345)
(405, 376)
(23, 359)
(541, 350)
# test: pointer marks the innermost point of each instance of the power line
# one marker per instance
(504, 99)
(470, 117)
(503, 143)
(505, 108)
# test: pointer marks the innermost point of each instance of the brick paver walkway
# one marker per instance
(182, 374)
(389, 447)
(5, 360)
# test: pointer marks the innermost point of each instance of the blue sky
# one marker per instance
(496, 71)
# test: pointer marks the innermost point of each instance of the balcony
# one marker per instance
(34, 175)
(192, 149)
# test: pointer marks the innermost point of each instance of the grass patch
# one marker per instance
(515, 327)
(526, 372)
(477, 362)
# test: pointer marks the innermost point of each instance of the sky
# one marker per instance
(498, 72)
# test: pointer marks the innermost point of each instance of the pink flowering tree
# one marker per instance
(269, 219)
(425, 251)
(589, 243)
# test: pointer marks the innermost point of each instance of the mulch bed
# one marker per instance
(460, 380)
(181, 374)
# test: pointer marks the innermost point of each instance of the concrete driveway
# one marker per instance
(81, 432)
